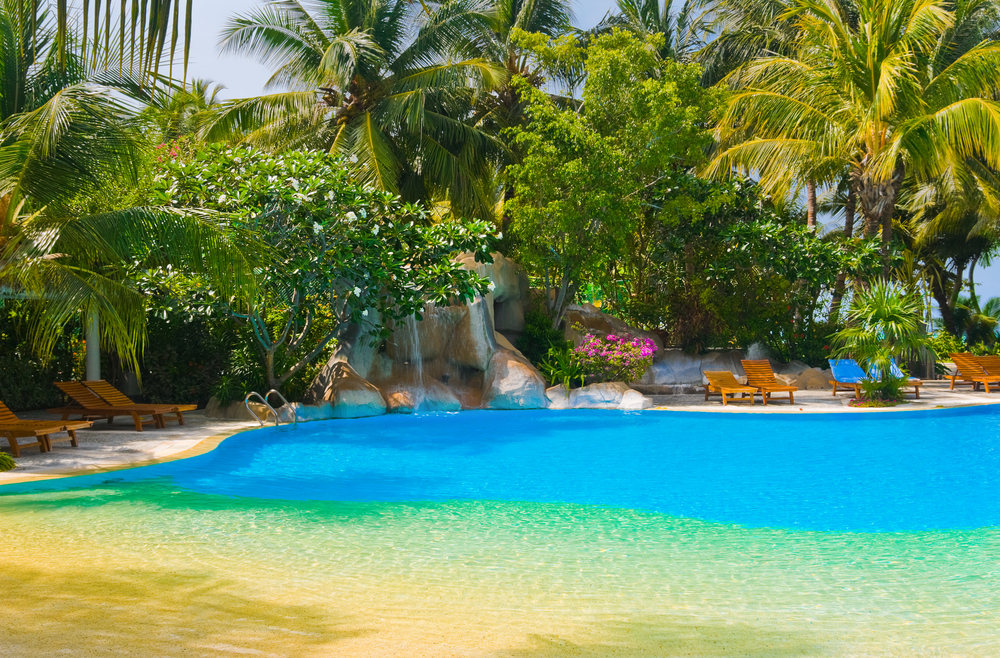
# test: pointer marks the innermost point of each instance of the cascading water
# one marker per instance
(416, 361)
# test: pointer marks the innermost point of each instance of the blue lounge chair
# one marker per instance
(847, 374)
(897, 372)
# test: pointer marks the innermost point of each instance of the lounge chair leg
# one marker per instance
(834, 390)
(72, 439)
(137, 421)
(791, 397)
(46, 445)
(180, 417)
(111, 419)
(15, 449)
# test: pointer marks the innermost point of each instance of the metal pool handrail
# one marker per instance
(246, 403)
(295, 415)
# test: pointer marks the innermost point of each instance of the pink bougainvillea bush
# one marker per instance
(615, 358)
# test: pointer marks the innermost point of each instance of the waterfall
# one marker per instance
(416, 360)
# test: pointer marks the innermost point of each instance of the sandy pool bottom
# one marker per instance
(146, 570)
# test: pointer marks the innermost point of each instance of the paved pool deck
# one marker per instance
(106, 447)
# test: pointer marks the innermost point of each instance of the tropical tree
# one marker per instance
(72, 157)
(882, 89)
(682, 31)
(380, 82)
(342, 253)
(588, 178)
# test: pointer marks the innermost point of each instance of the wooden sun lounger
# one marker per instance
(116, 398)
(90, 407)
(13, 428)
(970, 369)
(760, 375)
(723, 382)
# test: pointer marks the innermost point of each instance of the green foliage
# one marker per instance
(563, 366)
(27, 379)
(717, 265)
(7, 462)
(944, 343)
(340, 252)
(585, 177)
(538, 336)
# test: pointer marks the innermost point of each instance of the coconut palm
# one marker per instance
(71, 156)
(382, 82)
(682, 31)
(883, 89)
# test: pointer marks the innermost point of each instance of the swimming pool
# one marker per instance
(533, 533)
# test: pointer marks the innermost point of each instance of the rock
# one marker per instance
(351, 395)
(609, 395)
(677, 368)
(512, 383)
(633, 400)
(810, 379)
(791, 368)
(305, 413)
(433, 397)
(594, 321)
(236, 411)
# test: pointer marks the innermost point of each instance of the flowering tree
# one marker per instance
(615, 358)
(340, 252)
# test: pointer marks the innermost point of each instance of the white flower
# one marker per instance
(375, 230)
(492, 286)
(357, 291)
(351, 217)
(365, 313)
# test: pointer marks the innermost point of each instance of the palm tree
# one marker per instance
(71, 157)
(682, 32)
(382, 82)
(184, 111)
(883, 89)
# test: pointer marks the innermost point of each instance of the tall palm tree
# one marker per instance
(683, 32)
(70, 159)
(382, 82)
(884, 89)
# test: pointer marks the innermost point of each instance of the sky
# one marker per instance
(243, 77)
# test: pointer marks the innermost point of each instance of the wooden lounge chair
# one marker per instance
(724, 383)
(13, 428)
(971, 370)
(116, 398)
(760, 376)
(991, 364)
(92, 407)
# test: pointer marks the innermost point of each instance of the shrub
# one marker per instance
(538, 337)
(563, 366)
(944, 343)
(615, 358)
(6, 462)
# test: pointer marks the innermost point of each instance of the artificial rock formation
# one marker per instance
(455, 357)
(609, 395)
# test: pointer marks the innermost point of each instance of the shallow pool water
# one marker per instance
(526, 534)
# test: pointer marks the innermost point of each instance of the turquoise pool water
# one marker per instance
(529, 533)
(863, 473)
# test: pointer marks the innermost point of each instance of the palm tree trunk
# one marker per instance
(973, 299)
(944, 305)
(838, 289)
(957, 289)
(811, 204)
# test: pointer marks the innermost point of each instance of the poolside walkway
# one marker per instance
(933, 395)
(105, 446)
(110, 447)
